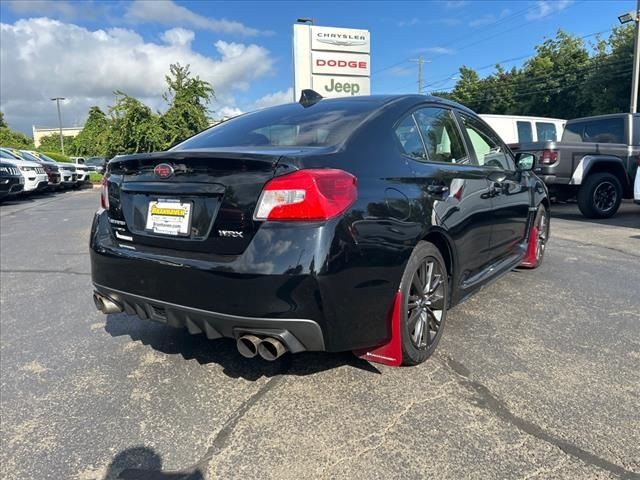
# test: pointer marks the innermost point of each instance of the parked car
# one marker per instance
(67, 170)
(636, 185)
(302, 226)
(51, 169)
(595, 162)
(96, 164)
(82, 174)
(35, 178)
(11, 180)
(515, 129)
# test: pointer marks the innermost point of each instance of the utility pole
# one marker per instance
(420, 61)
(636, 62)
(57, 100)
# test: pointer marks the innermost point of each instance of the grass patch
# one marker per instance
(95, 177)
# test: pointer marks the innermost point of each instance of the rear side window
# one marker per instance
(326, 123)
(525, 132)
(440, 135)
(607, 130)
(409, 138)
(546, 132)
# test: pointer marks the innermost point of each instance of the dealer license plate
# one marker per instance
(169, 217)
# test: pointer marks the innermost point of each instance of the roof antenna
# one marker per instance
(309, 97)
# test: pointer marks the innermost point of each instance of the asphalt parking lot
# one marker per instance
(537, 376)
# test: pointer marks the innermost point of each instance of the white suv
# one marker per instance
(35, 178)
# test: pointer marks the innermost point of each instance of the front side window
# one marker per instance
(525, 133)
(486, 145)
(546, 132)
(441, 137)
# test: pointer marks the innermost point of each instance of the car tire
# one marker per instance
(423, 313)
(542, 224)
(600, 196)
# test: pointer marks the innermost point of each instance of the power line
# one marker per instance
(490, 65)
(487, 27)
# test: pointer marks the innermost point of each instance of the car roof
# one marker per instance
(385, 100)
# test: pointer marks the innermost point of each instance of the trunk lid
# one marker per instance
(217, 191)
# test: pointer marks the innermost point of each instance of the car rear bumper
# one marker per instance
(281, 281)
(297, 334)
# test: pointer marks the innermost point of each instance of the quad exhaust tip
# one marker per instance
(271, 349)
(248, 345)
(268, 348)
(106, 305)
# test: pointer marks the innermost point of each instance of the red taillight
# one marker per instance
(104, 194)
(549, 156)
(307, 195)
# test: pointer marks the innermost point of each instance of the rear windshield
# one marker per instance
(326, 123)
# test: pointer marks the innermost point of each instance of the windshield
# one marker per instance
(28, 156)
(4, 154)
(326, 123)
(95, 161)
(44, 158)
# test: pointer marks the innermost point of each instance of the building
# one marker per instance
(40, 132)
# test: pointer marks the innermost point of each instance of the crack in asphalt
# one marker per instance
(68, 272)
(489, 401)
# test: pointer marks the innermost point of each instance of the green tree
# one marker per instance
(467, 90)
(188, 98)
(92, 140)
(134, 127)
(11, 138)
(51, 143)
(608, 83)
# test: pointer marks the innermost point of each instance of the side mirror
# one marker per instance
(525, 161)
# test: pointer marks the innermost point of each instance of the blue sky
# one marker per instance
(85, 50)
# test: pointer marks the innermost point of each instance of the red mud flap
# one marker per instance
(529, 260)
(391, 352)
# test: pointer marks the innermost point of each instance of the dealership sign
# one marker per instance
(335, 62)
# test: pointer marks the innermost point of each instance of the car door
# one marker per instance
(451, 187)
(508, 188)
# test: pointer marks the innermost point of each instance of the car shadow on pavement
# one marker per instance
(142, 463)
(175, 341)
(627, 216)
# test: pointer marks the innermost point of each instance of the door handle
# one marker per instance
(438, 191)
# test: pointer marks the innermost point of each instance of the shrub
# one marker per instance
(58, 157)
(95, 177)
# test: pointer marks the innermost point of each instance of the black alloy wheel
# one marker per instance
(600, 195)
(425, 289)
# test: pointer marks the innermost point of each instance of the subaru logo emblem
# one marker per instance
(163, 170)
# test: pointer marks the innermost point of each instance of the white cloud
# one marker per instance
(437, 50)
(453, 4)
(399, 71)
(60, 8)
(179, 37)
(276, 98)
(412, 22)
(489, 18)
(42, 58)
(167, 12)
(544, 8)
(227, 112)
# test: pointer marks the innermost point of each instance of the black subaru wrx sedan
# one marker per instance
(328, 224)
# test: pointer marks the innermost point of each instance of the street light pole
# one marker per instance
(57, 100)
(636, 62)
